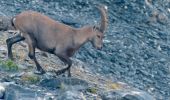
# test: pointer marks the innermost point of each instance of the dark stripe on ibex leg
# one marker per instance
(51, 50)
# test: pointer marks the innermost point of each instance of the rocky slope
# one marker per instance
(136, 47)
(18, 81)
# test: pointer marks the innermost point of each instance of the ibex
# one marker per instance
(39, 31)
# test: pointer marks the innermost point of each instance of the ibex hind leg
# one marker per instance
(11, 41)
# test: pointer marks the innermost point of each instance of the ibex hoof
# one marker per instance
(69, 75)
(10, 57)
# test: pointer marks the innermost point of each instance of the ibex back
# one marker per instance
(39, 31)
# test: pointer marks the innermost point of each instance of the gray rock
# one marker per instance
(114, 95)
(3, 87)
(71, 95)
(71, 22)
(64, 82)
(2, 91)
(15, 92)
(5, 23)
(126, 95)
(132, 97)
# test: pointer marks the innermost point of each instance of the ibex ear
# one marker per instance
(94, 28)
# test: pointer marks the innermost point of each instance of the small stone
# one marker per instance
(3, 48)
(162, 18)
(44, 54)
(131, 97)
(125, 7)
(72, 95)
(2, 91)
(22, 67)
(169, 10)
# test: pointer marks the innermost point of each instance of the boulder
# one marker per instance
(5, 23)
(126, 95)
(2, 91)
(64, 82)
(16, 92)
(71, 95)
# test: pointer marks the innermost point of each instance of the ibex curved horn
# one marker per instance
(104, 20)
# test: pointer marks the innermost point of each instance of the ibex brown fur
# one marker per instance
(39, 31)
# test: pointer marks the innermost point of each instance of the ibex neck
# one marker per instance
(83, 35)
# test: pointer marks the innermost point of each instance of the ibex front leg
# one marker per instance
(31, 54)
(66, 60)
(11, 41)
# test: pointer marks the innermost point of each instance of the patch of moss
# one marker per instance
(114, 86)
(92, 90)
(31, 79)
(61, 86)
(8, 65)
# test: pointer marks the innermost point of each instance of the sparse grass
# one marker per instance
(21, 56)
(8, 65)
(113, 86)
(92, 90)
(62, 86)
(31, 79)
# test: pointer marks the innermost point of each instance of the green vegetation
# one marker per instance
(113, 86)
(61, 86)
(31, 79)
(92, 90)
(8, 65)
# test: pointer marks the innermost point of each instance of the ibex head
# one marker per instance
(97, 39)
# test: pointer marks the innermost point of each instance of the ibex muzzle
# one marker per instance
(39, 31)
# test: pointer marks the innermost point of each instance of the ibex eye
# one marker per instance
(98, 36)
